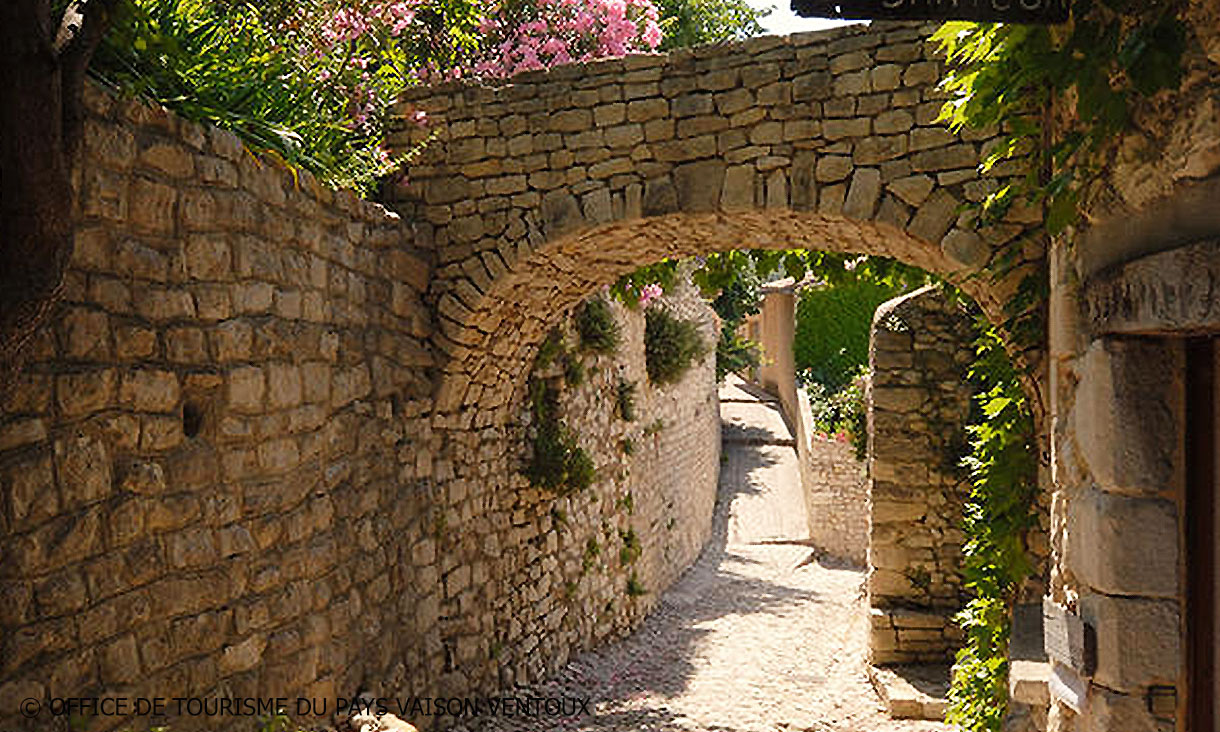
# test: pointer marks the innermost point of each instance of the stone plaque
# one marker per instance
(1068, 639)
(1065, 686)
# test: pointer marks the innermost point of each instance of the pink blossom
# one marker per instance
(649, 293)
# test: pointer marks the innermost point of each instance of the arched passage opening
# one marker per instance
(492, 320)
(534, 194)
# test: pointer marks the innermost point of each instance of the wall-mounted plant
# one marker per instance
(559, 463)
(631, 548)
(592, 551)
(624, 400)
(635, 588)
(551, 348)
(920, 578)
(573, 371)
(671, 345)
(596, 326)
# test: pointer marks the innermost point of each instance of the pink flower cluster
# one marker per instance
(649, 293)
(840, 437)
(562, 31)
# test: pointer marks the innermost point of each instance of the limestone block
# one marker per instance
(149, 390)
(1123, 383)
(246, 388)
(873, 150)
(832, 168)
(152, 206)
(1134, 649)
(966, 248)
(737, 191)
(838, 129)
(83, 467)
(1124, 546)
(863, 194)
(699, 185)
(934, 217)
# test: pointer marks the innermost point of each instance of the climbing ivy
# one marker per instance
(1059, 96)
(998, 514)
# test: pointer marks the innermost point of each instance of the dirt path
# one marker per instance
(756, 636)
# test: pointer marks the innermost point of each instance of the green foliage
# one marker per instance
(1017, 78)
(655, 427)
(693, 22)
(1003, 475)
(735, 353)
(592, 551)
(278, 722)
(631, 549)
(842, 414)
(735, 282)
(626, 503)
(671, 345)
(226, 64)
(635, 588)
(558, 463)
(597, 327)
(830, 345)
(624, 400)
(552, 348)
(627, 445)
(573, 371)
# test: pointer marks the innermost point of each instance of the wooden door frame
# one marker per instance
(1200, 436)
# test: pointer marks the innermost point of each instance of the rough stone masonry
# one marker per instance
(270, 448)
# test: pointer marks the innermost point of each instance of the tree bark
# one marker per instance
(41, 119)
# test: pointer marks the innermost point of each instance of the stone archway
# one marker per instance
(536, 192)
(533, 194)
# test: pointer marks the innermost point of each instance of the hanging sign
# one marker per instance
(980, 11)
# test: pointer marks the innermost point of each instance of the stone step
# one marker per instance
(912, 692)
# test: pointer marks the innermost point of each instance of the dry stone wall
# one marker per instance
(836, 494)
(198, 495)
(220, 474)
(539, 590)
(919, 401)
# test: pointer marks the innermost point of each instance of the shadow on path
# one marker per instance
(755, 636)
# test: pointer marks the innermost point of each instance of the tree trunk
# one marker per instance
(41, 91)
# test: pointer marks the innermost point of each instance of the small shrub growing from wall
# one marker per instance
(671, 345)
(598, 330)
(559, 463)
(624, 400)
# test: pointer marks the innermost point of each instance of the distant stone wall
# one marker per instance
(836, 492)
(919, 350)
(656, 481)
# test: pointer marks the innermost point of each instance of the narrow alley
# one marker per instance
(757, 636)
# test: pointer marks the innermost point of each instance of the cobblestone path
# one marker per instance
(757, 636)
